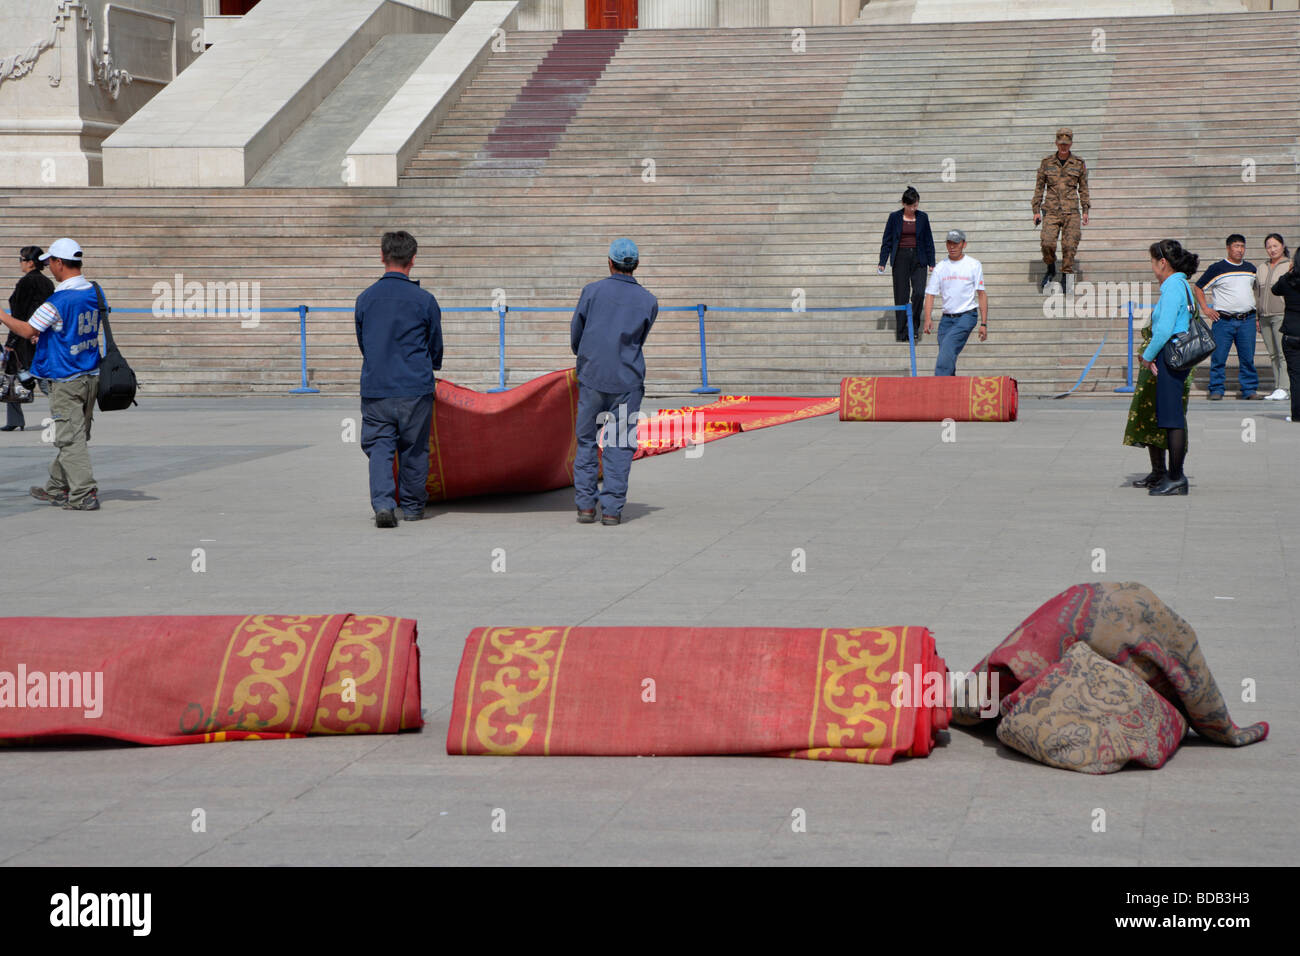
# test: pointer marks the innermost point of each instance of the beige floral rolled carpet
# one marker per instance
(1129, 626)
(1085, 713)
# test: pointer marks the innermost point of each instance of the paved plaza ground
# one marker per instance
(899, 527)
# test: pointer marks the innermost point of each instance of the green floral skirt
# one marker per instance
(1141, 429)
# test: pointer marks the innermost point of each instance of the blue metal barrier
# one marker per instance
(1127, 387)
(705, 388)
(700, 308)
(304, 388)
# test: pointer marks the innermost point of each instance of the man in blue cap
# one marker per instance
(610, 324)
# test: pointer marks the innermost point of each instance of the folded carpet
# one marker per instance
(180, 680)
(1128, 626)
(522, 440)
(928, 399)
(487, 443)
(818, 694)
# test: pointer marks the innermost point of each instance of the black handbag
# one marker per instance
(1185, 350)
(116, 380)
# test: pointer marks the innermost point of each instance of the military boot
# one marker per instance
(1047, 277)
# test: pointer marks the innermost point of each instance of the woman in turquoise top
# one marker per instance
(1172, 265)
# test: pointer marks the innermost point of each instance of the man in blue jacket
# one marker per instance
(66, 332)
(610, 324)
(399, 330)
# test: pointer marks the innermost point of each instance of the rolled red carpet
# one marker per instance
(928, 399)
(819, 694)
(181, 680)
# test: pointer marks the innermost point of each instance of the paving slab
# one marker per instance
(897, 526)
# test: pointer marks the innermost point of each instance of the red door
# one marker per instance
(236, 8)
(611, 14)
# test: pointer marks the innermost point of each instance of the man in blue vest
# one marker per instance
(399, 331)
(610, 324)
(66, 332)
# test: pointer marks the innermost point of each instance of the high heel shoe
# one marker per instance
(1170, 486)
(1150, 480)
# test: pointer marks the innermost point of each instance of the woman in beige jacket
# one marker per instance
(1271, 308)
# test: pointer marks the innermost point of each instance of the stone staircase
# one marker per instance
(746, 169)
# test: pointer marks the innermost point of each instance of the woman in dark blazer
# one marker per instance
(1288, 289)
(32, 290)
(909, 246)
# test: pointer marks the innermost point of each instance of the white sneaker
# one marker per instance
(1277, 395)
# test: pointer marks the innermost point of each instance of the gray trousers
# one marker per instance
(1270, 329)
(72, 406)
(397, 427)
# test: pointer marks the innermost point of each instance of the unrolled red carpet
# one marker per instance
(819, 694)
(928, 399)
(181, 680)
(522, 440)
(673, 428)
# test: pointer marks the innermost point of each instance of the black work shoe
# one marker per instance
(88, 503)
(1252, 397)
(1215, 397)
(1047, 278)
(385, 519)
(413, 515)
(609, 519)
(1151, 480)
(586, 516)
(1170, 487)
(40, 494)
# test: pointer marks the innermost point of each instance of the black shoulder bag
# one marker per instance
(116, 380)
(1185, 350)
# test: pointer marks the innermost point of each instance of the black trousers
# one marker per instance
(1291, 349)
(909, 283)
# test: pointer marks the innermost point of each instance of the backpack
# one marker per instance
(116, 380)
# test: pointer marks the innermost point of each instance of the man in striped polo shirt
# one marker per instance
(1230, 285)
(66, 332)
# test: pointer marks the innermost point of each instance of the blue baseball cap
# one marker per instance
(623, 252)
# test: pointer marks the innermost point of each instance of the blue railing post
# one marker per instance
(304, 388)
(1128, 361)
(501, 350)
(705, 388)
(911, 338)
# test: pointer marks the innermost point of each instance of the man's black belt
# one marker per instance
(956, 315)
(1236, 315)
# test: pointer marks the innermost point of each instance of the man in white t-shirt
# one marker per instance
(959, 282)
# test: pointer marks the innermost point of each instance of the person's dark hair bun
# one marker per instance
(33, 255)
(910, 196)
(1172, 251)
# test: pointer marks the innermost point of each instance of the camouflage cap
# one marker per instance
(1065, 135)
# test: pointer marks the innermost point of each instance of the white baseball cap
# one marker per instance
(64, 249)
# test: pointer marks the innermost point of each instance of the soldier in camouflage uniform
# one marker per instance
(1062, 187)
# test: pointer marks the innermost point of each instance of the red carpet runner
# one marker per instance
(522, 440)
(928, 399)
(672, 428)
(183, 680)
(674, 691)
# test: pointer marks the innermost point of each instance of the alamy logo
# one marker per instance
(56, 689)
(974, 691)
(217, 299)
(102, 909)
